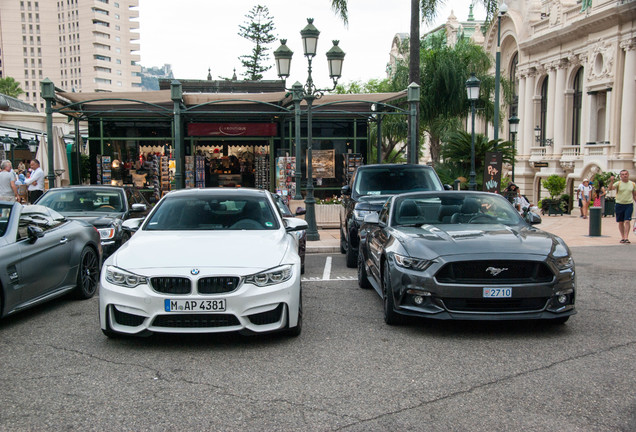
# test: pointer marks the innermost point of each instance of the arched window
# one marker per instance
(544, 109)
(514, 105)
(577, 102)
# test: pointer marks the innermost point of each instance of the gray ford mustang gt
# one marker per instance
(464, 256)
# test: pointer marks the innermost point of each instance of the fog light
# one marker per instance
(418, 300)
(562, 299)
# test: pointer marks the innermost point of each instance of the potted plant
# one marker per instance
(555, 184)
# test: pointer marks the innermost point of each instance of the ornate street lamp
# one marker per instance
(472, 90)
(7, 143)
(309, 93)
(33, 145)
(513, 122)
(502, 11)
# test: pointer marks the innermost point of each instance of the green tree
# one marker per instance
(10, 87)
(260, 31)
(456, 155)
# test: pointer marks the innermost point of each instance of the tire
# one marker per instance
(352, 255)
(343, 244)
(87, 274)
(297, 329)
(560, 321)
(363, 279)
(390, 316)
(124, 238)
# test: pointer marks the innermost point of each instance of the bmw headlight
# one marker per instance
(360, 214)
(412, 263)
(106, 233)
(270, 277)
(123, 278)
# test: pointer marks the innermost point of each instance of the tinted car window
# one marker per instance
(385, 181)
(5, 215)
(69, 200)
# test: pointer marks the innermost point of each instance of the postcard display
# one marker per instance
(261, 171)
(199, 171)
(104, 167)
(352, 162)
(285, 177)
(164, 175)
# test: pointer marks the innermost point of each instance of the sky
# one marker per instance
(202, 34)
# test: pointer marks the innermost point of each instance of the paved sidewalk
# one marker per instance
(571, 228)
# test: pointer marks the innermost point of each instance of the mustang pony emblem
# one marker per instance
(495, 271)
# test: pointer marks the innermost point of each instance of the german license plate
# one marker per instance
(217, 305)
(497, 292)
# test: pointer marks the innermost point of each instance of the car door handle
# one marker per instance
(64, 240)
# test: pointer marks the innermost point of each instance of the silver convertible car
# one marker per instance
(44, 255)
(465, 256)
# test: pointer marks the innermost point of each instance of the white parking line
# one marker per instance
(327, 271)
(336, 279)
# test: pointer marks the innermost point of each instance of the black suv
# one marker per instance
(369, 189)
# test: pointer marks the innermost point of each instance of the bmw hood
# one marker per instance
(441, 240)
(254, 250)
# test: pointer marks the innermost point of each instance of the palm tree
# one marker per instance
(10, 87)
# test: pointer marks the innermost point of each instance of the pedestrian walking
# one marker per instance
(584, 194)
(35, 181)
(599, 194)
(625, 196)
(8, 189)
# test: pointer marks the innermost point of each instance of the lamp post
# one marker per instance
(502, 11)
(309, 93)
(537, 137)
(7, 143)
(513, 122)
(472, 90)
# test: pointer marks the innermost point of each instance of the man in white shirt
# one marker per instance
(35, 181)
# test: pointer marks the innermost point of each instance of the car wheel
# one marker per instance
(352, 255)
(559, 321)
(87, 274)
(390, 316)
(297, 329)
(343, 244)
(124, 238)
(363, 279)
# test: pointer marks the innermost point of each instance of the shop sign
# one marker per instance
(540, 164)
(232, 129)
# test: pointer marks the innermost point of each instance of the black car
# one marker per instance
(464, 256)
(368, 190)
(43, 255)
(105, 207)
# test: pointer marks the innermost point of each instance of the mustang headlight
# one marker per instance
(106, 233)
(412, 263)
(360, 214)
(564, 262)
(270, 277)
(120, 277)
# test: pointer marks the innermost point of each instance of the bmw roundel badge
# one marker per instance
(194, 272)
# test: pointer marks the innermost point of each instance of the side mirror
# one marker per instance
(532, 218)
(132, 225)
(448, 187)
(300, 211)
(138, 208)
(34, 233)
(295, 224)
(346, 190)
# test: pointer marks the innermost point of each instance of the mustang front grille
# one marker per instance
(494, 272)
(195, 320)
(171, 285)
(217, 284)
(495, 305)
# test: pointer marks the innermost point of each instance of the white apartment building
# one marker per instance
(80, 45)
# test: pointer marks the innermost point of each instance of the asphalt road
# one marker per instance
(347, 371)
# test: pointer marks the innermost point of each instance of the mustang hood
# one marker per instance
(99, 220)
(440, 240)
(201, 249)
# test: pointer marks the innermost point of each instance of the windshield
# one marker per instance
(392, 180)
(218, 212)
(81, 200)
(453, 208)
(5, 215)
